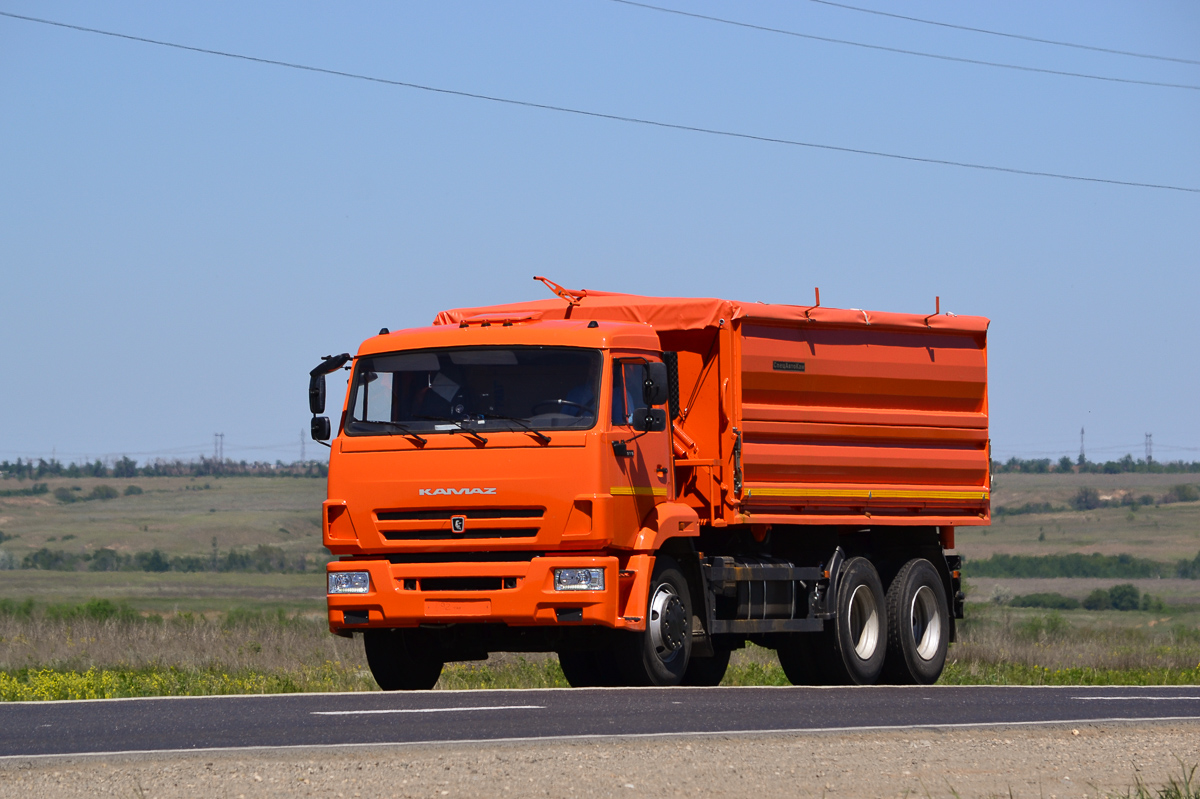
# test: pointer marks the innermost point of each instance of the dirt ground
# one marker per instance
(1047, 762)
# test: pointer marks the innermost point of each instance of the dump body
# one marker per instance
(813, 415)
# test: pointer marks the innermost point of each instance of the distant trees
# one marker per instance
(1065, 465)
(126, 467)
(264, 559)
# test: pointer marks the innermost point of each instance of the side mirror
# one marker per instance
(316, 394)
(321, 429)
(653, 421)
(654, 388)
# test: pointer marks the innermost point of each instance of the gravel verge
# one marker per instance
(1048, 762)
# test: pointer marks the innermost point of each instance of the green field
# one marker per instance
(228, 632)
(1163, 532)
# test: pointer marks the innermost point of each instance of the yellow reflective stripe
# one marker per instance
(638, 491)
(864, 493)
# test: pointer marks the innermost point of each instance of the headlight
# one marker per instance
(349, 582)
(579, 579)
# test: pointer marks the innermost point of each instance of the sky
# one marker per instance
(183, 235)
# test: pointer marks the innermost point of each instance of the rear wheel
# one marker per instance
(856, 643)
(659, 655)
(918, 625)
(402, 660)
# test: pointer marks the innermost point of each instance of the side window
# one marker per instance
(628, 377)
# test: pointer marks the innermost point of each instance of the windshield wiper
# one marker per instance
(545, 439)
(404, 430)
(465, 430)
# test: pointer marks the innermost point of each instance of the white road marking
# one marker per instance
(602, 737)
(422, 710)
(1147, 698)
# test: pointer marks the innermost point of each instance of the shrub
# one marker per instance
(104, 492)
(50, 559)
(1124, 597)
(132, 490)
(1182, 493)
(95, 610)
(1072, 564)
(1098, 600)
(108, 560)
(152, 561)
(11, 608)
(1049, 600)
(1086, 499)
(64, 495)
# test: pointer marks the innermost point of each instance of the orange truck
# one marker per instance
(642, 485)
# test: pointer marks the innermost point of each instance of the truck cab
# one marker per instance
(506, 471)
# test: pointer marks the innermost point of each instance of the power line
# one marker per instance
(902, 51)
(1007, 35)
(612, 117)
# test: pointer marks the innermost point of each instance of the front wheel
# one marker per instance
(589, 669)
(402, 660)
(660, 654)
(707, 671)
(918, 624)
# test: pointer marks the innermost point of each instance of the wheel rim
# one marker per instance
(926, 623)
(667, 623)
(864, 622)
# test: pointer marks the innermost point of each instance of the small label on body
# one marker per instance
(789, 366)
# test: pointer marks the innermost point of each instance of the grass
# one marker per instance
(178, 515)
(106, 649)
(1186, 787)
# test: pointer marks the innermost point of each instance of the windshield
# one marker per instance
(474, 388)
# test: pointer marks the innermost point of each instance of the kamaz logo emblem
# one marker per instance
(458, 523)
(441, 492)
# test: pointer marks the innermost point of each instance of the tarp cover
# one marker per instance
(686, 313)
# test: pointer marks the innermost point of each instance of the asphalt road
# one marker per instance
(305, 720)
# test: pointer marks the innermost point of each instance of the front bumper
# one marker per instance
(519, 594)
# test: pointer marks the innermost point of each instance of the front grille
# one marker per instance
(463, 583)
(463, 557)
(438, 514)
(449, 535)
(435, 524)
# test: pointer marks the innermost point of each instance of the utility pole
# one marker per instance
(1082, 457)
(1149, 447)
(218, 447)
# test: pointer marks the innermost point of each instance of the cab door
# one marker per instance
(639, 460)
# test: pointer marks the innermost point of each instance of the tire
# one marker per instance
(707, 671)
(589, 669)
(402, 660)
(659, 655)
(855, 644)
(918, 625)
(800, 656)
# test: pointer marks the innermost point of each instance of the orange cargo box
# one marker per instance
(809, 414)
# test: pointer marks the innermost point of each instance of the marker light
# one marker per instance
(349, 582)
(579, 579)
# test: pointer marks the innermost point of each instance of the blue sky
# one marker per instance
(183, 235)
